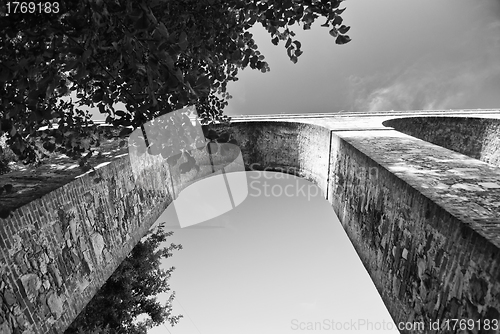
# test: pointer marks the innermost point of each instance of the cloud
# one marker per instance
(425, 87)
(452, 77)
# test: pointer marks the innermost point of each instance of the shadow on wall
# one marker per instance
(478, 138)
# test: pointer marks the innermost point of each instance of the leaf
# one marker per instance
(223, 138)
(124, 132)
(235, 56)
(49, 146)
(163, 30)
(142, 23)
(183, 43)
(4, 74)
(342, 39)
(120, 113)
(202, 84)
(6, 125)
(269, 14)
(275, 40)
(212, 147)
(76, 50)
(8, 188)
(339, 11)
(297, 43)
(337, 20)
(288, 42)
(212, 135)
(70, 64)
(344, 29)
(86, 55)
(333, 32)
(4, 213)
(98, 95)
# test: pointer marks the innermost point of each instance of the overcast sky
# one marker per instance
(278, 263)
(403, 55)
(281, 262)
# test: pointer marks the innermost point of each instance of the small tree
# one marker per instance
(130, 292)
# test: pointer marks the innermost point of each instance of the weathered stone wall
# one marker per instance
(424, 222)
(426, 263)
(423, 219)
(478, 138)
(58, 250)
(288, 147)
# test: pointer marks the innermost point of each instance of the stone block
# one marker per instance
(31, 284)
(97, 242)
(9, 297)
(5, 328)
(55, 304)
(55, 273)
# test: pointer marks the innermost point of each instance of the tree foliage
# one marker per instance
(154, 56)
(131, 291)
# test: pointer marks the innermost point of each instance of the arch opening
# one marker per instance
(281, 257)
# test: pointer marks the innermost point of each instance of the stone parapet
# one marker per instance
(425, 220)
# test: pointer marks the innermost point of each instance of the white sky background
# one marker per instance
(403, 55)
(276, 264)
(280, 258)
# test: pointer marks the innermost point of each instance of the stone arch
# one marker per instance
(415, 212)
(295, 148)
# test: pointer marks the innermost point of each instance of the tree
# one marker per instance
(130, 291)
(154, 56)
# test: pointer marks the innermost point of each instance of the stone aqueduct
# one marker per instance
(423, 214)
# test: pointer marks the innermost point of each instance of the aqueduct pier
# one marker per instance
(417, 192)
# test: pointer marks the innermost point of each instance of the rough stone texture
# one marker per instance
(57, 250)
(31, 284)
(55, 304)
(30, 183)
(423, 219)
(477, 138)
(425, 262)
(293, 148)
